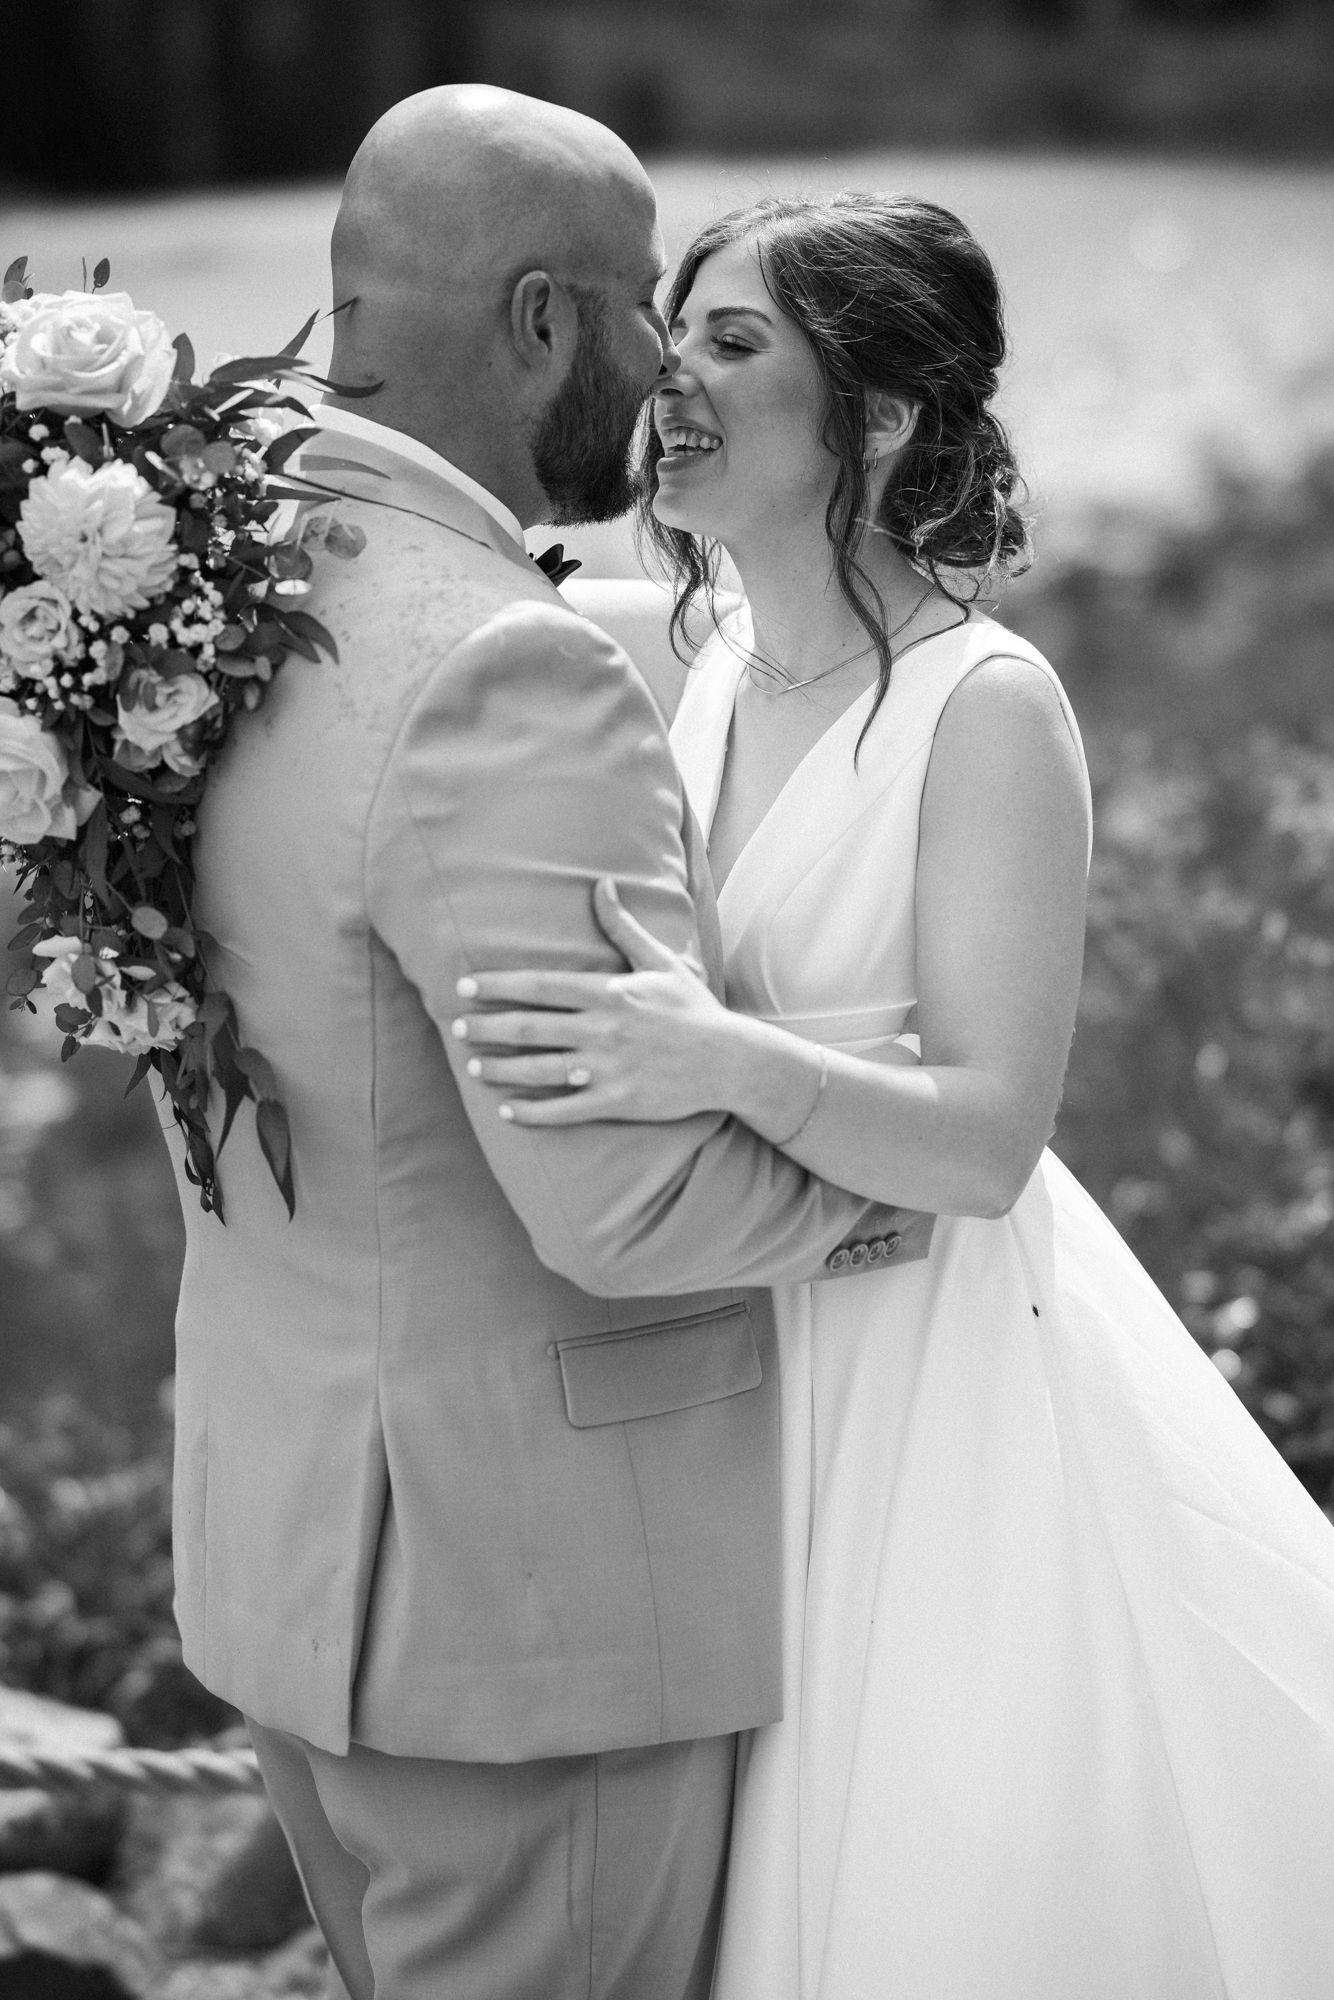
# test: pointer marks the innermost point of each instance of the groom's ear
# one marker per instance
(544, 324)
(890, 422)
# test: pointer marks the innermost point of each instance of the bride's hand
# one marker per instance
(634, 1045)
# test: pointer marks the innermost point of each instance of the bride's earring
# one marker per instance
(870, 464)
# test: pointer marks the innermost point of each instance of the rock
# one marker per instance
(210, 1873)
(67, 1833)
(300, 1969)
(38, 1975)
(66, 1940)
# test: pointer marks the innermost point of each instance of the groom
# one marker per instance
(476, 1508)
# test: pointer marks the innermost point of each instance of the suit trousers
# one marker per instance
(596, 1877)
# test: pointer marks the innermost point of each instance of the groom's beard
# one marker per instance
(581, 447)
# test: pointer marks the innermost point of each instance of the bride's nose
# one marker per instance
(673, 379)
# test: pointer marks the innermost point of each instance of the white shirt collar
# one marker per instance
(332, 418)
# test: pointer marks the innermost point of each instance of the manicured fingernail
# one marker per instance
(506, 1112)
(466, 988)
(474, 1065)
(459, 1029)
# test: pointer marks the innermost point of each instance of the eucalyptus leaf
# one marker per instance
(289, 559)
(149, 923)
(182, 441)
(259, 1070)
(235, 1087)
(299, 339)
(344, 539)
(296, 643)
(311, 628)
(282, 448)
(215, 1011)
(83, 441)
(275, 1140)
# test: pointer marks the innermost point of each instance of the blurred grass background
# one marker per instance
(1154, 179)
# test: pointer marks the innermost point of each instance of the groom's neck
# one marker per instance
(477, 441)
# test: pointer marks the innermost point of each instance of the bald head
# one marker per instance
(457, 197)
(456, 188)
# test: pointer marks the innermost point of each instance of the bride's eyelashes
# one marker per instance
(728, 344)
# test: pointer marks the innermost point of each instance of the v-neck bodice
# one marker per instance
(817, 913)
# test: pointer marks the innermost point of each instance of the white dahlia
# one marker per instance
(100, 534)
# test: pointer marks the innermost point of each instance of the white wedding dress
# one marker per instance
(1059, 1622)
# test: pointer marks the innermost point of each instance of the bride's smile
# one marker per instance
(739, 422)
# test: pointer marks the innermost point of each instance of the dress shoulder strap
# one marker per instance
(927, 675)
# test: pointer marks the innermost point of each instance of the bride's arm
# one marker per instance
(1000, 905)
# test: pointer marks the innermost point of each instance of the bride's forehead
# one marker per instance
(731, 276)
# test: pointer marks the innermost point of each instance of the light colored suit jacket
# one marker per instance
(476, 1457)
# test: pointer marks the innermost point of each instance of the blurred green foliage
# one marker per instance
(85, 1573)
(1199, 1108)
(1200, 1103)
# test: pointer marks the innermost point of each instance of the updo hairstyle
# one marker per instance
(895, 294)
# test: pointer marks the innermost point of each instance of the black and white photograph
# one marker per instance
(667, 1073)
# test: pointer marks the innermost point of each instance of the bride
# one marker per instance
(1059, 1623)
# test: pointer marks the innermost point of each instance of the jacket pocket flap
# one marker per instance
(611, 1378)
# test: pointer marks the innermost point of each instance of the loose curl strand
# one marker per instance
(893, 294)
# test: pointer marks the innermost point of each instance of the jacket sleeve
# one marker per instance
(532, 762)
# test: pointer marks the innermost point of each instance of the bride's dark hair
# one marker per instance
(895, 294)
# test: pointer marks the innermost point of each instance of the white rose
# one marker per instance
(131, 1020)
(100, 534)
(134, 1022)
(264, 426)
(37, 628)
(152, 710)
(58, 980)
(91, 353)
(34, 773)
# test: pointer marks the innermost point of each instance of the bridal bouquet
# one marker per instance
(144, 603)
